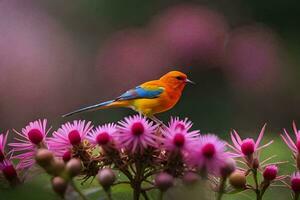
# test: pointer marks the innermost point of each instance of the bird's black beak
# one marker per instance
(189, 81)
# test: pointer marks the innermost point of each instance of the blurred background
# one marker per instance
(244, 56)
(57, 56)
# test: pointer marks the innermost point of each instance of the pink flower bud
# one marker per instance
(248, 147)
(190, 178)
(228, 167)
(298, 144)
(59, 185)
(270, 172)
(57, 167)
(106, 177)
(103, 138)
(295, 182)
(1, 156)
(137, 128)
(180, 126)
(44, 157)
(67, 156)
(179, 140)
(73, 167)
(9, 172)
(74, 137)
(164, 181)
(208, 150)
(35, 136)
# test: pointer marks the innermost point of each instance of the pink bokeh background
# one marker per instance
(49, 67)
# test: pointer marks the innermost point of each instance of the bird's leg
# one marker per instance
(155, 119)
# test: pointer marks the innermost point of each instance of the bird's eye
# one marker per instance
(179, 78)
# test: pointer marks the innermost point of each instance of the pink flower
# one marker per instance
(136, 133)
(294, 146)
(295, 182)
(67, 155)
(248, 146)
(177, 137)
(270, 172)
(102, 135)
(179, 124)
(68, 136)
(8, 170)
(33, 136)
(6, 166)
(3, 139)
(209, 154)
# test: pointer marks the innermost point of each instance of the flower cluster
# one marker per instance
(295, 148)
(147, 153)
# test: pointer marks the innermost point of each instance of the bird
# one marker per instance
(149, 98)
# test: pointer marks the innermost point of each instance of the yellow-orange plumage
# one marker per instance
(150, 97)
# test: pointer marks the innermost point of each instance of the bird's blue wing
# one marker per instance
(141, 92)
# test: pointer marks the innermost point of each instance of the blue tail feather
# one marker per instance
(88, 108)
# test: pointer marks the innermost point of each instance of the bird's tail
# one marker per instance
(103, 105)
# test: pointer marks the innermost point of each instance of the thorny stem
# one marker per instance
(83, 197)
(221, 188)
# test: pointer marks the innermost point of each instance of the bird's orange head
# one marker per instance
(175, 79)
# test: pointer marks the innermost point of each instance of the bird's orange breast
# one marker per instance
(164, 102)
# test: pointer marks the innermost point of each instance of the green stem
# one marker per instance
(137, 181)
(121, 182)
(265, 185)
(221, 188)
(257, 190)
(161, 195)
(108, 193)
(83, 197)
(136, 192)
(144, 193)
(296, 196)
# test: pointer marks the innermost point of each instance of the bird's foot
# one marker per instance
(159, 122)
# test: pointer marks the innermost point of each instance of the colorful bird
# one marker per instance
(149, 98)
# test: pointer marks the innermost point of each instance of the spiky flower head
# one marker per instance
(103, 135)
(177, 124)
(9, 171)
(32, 137)
(6, 166)
(270, 172)
(246, 147)
(136, 133)
(295, 182)
(209, 154)
(294, 146)
(68, 136)
(3, 139)
(177, 135)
